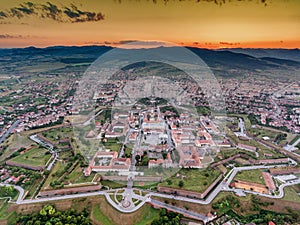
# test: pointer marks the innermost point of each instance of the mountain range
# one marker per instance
(223, 62)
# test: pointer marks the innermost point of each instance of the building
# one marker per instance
(107, 161)
(165, 163)
(269, 181)
(250, 186)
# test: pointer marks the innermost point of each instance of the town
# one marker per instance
(154, 150)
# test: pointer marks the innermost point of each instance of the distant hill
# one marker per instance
(290, 54)
(225, 62)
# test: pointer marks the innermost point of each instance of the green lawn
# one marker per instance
(34, 157)
(112, 184)
(149, 214)
(194, 179)
(32, 188)
(56, 173)
(99, 216)
(77, 176)
(112, 144)
(254, 176)
(4, 214)
(58, 134)
(14, 142)
(263, 133)
(244, 117)
(274, 154)
(295, 139)
(290, 194)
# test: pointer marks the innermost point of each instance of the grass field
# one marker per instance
(10, 217)
(294, 139)
(112, 144)
(32, 189)
(58, 134)
(291, 195)
(263, 133)
(226, 153)
(254, 176)
(194, 179)
(105, 214)
(112, 184)
(55, 174)
(99, 216)
(244, 117)
(14, 142)
(251, 142)
(77, 176)
(34, 157)
(148, 214)
(274, 154)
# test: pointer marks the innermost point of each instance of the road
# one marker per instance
(10, 130)
(125, 142)
(129, 195)
(93, 117)
(273, 98)
(293, 146)
(20, 189)
(185, 212)
(41, 142)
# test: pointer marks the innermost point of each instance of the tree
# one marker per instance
(137, 158)
(49, 216)
(169, 182)
(181, 183)
(145, 161)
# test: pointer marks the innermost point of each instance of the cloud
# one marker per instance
(122, 42)
(51, 11)
(229, 43)
(82, 16)
(135, 42)
(217, 2)
(9, 36)
(63, 14)
(2, 14)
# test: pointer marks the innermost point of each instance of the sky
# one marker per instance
(199, 23)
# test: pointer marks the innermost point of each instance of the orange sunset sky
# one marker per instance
(206, 23)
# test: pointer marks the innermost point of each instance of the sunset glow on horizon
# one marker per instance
(235, 24)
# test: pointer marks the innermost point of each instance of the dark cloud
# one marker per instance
(82, 16)
(51, 11)
(66, 14)
(122, 42)
(9, 36)
(14, 12)
(2, 14)
(26, 8)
